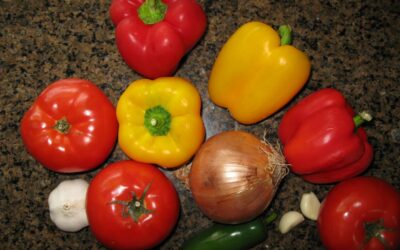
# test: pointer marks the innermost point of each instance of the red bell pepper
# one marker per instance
(153, 35)
(322, 139)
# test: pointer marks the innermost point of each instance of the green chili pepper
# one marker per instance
(232, 237)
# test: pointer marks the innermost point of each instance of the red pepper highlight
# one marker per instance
(322, 140)
(152, 36)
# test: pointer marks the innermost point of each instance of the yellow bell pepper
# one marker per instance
(256, 72)
(160, 122)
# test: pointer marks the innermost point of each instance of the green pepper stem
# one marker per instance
(152, 11)
(270, 218)
(157, 120)
(361, 117)
(285, 32)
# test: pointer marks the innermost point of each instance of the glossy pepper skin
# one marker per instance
(255, 75)
(321, 140)
(160, 122)
(233, 237)
(152, 36)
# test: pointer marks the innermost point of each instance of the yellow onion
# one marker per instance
(234, 176)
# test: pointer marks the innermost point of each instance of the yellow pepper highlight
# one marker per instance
(254, 75)
(160, 122)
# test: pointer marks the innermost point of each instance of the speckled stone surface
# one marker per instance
(353, 45)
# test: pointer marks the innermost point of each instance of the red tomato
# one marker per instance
(131, 205)
(71, 127)
(361, 213)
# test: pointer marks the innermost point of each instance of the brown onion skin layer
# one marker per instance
(230, 179)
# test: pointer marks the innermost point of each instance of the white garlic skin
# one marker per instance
(67, 205)
(310, 206)
(289, 220)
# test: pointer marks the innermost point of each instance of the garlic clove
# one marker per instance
(310, 206)
(67, 205)
(289, 220)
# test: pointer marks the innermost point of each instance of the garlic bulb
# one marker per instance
(67, 205)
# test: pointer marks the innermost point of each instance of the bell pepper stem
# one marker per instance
(285, 32)
(361, 117)
(152, 11)
(157, 120)
(270, 218)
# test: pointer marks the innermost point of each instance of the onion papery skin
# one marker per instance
(231, 178)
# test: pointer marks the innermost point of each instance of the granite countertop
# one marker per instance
(353, 46)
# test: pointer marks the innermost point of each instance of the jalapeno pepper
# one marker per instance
(233, 237)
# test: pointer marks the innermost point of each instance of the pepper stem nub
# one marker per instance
(157, 120)
(152, 11)
(270, 218)
(285, 31)
(361, 117)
